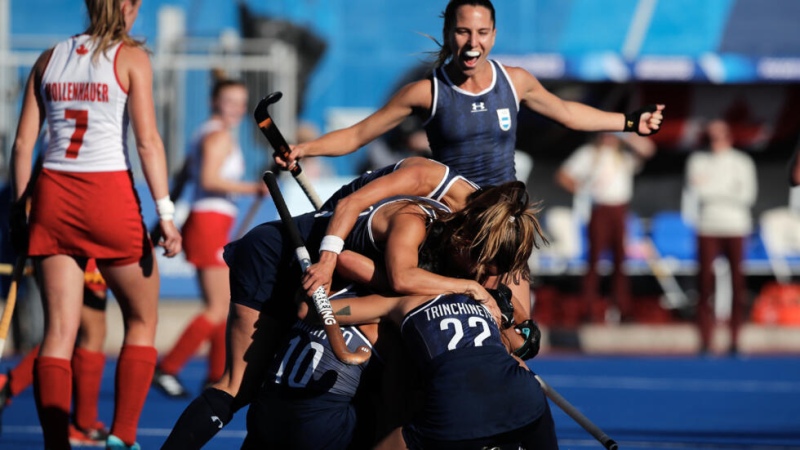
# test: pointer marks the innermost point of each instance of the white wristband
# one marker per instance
(331, 243)
(165, 208)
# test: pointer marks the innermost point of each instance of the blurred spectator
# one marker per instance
(603, 171)
(723, 179)
(794, 168)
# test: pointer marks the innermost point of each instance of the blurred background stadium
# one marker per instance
(336, 61)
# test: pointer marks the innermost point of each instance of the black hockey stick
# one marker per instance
(577, 416)
(320, 298)
(278, 143)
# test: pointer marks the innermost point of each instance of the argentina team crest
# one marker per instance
(504, 118)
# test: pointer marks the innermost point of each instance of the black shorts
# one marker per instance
(539, 434)
(263, 265)
(277, 421)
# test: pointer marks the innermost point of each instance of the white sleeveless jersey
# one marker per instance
(232, 169)
(86, 109)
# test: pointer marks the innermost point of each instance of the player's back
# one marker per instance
(474, 388)
(449, 323)
(86, 109)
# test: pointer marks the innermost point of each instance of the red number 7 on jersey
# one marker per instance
(81, 118)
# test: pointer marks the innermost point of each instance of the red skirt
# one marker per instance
(204, 234)
(93, 215)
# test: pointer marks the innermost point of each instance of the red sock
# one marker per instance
(87, 370)
(52, 389)
(21, 376)
(198, 331)
(216, 355)
(135, 369)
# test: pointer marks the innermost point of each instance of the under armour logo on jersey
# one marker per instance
(82, 50)
(218, 421)
(478, 107)
(504, 118)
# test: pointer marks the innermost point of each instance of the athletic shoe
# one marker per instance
(169, 385)
(91, 437)
(115, 443)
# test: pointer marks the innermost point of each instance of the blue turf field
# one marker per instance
(642, 403)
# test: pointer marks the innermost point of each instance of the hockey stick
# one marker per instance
(244, 226)
(19, 266)
(674, 297)
(278, 143)
(577, 416)
(8, 269)
(11, 301)
(320, 298)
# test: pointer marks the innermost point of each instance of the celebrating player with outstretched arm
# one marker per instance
(469, 108)
(470, 103)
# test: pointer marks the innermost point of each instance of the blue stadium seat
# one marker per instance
(754, 249)
(673, 237)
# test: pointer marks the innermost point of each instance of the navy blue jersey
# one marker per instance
(475, 134)
(474, 388)
(362, 240)
(357, 184)
(306, 364)
(450, 177)
(306, 400)
(448, 323)
(264, 256)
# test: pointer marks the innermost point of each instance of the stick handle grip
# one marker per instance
(577, 416)
(321, 302)
(309, 190)
(281, 147)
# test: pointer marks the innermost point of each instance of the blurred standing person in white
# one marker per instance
(723, 179)
(603, 170)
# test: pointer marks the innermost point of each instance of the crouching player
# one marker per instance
(307, 399)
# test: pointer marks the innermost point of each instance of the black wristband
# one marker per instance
(502, 295)
(632, 119)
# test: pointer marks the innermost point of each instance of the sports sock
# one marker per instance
(198, 331)
(21, 376)
(216, 354)
(87, 370)
(201, 420)
(52, 390)
(135, 369)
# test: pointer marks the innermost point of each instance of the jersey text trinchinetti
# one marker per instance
(71, 91)
(453, 309)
